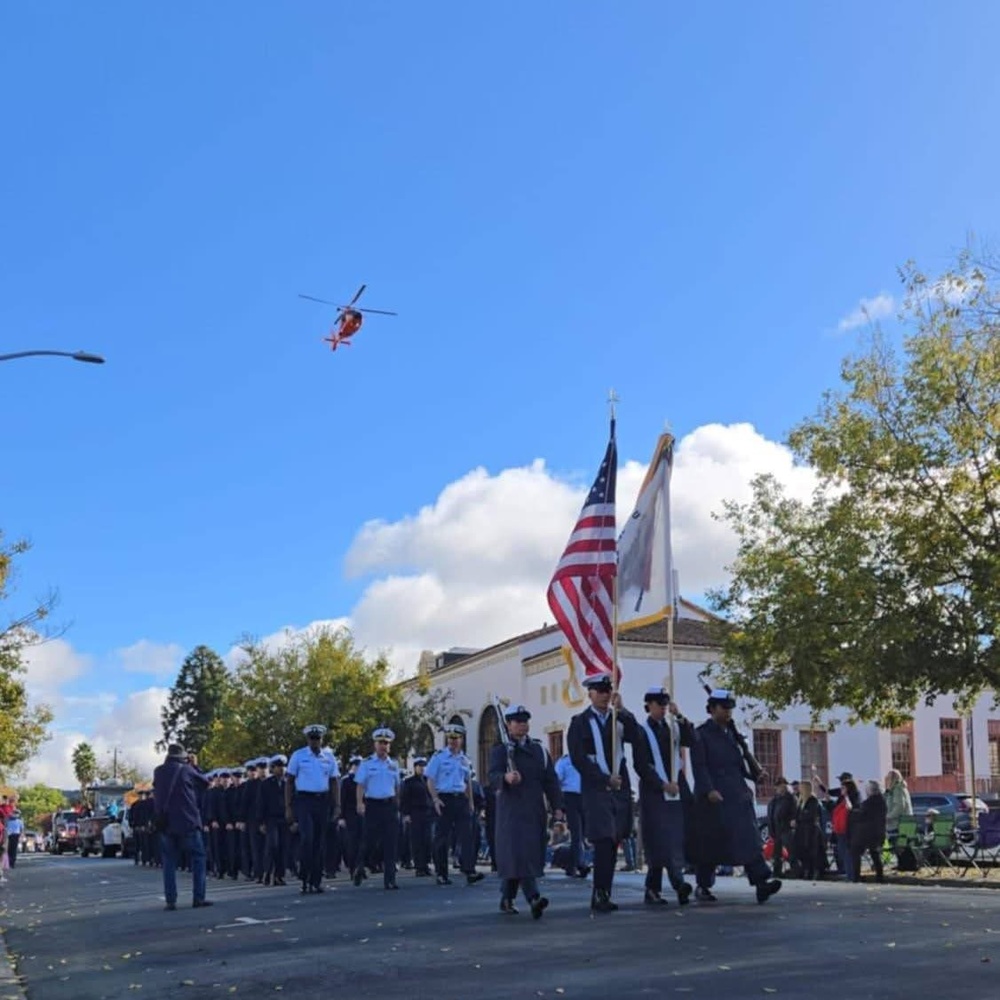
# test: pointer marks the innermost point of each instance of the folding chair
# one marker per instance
(908, 839)
(985, 844)
(942, 843)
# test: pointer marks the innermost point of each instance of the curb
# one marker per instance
(977, 882)
(10, 982)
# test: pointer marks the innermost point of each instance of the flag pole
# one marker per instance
(613, 764)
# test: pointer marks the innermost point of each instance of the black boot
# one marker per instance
(765, 890)
(507, 907)
(538, 905)
(684, 893)
(653, 898)
(600, 902)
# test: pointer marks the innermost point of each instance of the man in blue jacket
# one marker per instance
(177, 787)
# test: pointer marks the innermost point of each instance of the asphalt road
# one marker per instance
(96, 928)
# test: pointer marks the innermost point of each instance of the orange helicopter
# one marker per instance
(348, 320)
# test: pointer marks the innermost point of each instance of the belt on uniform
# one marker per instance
(297, 792)
(452, 795)
(389, 798)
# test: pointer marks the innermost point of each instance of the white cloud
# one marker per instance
(868, 311)
(472, 568)
(49, 665)
(161, 660)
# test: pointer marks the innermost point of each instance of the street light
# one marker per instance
(92, 359)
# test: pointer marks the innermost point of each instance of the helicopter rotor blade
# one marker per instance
(357, 294)
(326, 302)
(381, 312)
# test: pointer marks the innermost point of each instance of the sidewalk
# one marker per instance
(10, 984)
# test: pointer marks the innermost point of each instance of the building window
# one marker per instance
(951, 746)
(556, 744)
(993, 735)
(814, 754)
(424, 743)
(901, 740)
(767, 750)
(489, 737)
(543, 694)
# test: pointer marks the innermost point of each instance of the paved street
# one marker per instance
(96, 928)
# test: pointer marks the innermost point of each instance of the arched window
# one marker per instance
(424, 742)
(489, 737)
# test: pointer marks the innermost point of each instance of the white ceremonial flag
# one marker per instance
(646, 576)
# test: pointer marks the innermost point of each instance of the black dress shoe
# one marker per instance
(651, 898)
(279, 881)
(199, 903)
(705, 895)
(538, 905)
(306, 889)
(600, 902)
(318, 888)
(767, 889)
(684, 894)
(392, 885)
(507, 907)
(443, 880)
(474, 877)
(170, 906)
(358, 878)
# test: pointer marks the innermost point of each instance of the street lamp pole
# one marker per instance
(86, 356)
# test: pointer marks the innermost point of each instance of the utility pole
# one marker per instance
(114, 776)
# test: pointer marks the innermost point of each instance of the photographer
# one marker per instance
(177, 788)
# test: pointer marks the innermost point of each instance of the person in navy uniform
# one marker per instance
(231, 814)
(449, 781)
(312, 790)
(418, 812)
(271, 824)
(526, 787)
(726, 803)
(604, 784)
(377, 784)
(349, 824)
(656, 756)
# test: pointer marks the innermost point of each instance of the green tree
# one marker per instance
(84, 766)
(35, 801)
(320, 678)
(23, 726)
(883, 590)
(195, 700)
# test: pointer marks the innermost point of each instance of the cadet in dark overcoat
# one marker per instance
(656, 756)
(726, 801)
(522, 779)
(605, 789)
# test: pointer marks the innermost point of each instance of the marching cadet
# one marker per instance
(656, 756)
(217, 824)
(271, 822)
(728, 816)
(350, 822)
(256, 835)
(377, 783)
(246, 806)
(604, 783)
(312, 790)
(418, 810)
(231, 815)
(449, 781)
(522, 778)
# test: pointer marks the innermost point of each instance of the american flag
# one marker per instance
(580, 594)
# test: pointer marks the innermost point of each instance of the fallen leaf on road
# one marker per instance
(891, 944)
(363, 941)
(985, 958)
(770, 989)
(187, 982)
(446, 949)
(726, 968)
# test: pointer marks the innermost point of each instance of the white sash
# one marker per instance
(599, 757)
(675, 747)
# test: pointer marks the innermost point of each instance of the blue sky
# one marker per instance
(557, 198)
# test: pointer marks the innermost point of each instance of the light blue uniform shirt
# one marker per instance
(312, 772)
(449, 771)
(568, 775)
(379, 778)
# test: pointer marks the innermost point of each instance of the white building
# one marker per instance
(531, 669)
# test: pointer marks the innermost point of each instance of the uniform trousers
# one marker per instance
(528, 883)
(756, 871)
(311, 811)
(421, 826)
(664, 844)
(232, 851)
(380, 836)
(275, 847)
(455, 822)
(573, 804)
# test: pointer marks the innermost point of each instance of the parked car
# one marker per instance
(31, 841)
(948, 804)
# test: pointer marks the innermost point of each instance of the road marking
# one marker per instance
(248, 921)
